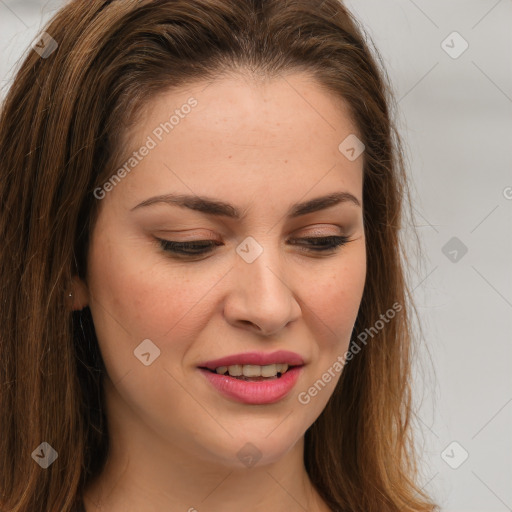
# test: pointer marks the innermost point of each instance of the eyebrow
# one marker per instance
(215, 207)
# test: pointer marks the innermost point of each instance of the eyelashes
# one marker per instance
(326, 244)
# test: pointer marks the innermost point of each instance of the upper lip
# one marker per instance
(256, 358)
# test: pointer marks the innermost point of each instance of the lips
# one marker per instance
(259, 391)
(255, 358)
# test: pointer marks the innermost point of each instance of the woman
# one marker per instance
(204, 298)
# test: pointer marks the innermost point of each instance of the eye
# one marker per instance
(195, 248)
(323, 243)
(200, 247)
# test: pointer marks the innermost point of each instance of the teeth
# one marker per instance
(268, 371)
(252, 370)
(282, 367)
(235, 370)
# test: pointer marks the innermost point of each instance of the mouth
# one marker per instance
(254, 378)
(251, 372)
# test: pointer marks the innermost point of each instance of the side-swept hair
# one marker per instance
(61, 131)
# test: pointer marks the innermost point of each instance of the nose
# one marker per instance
(261, 294)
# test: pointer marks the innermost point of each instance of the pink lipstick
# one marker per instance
(255, 378)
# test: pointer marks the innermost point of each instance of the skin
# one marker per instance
(261, 146)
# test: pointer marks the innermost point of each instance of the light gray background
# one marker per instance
(455, 115)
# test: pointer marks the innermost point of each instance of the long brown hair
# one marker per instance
(61, 138)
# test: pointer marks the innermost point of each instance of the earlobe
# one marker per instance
(78, 295)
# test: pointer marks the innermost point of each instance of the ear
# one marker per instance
(78, 295)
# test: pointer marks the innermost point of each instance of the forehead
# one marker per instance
(273, 137)
(268, 106)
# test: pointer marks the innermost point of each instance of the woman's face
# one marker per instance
(257, 150)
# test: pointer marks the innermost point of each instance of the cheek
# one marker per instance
(135, 297)
(334, 299)
(334, 296)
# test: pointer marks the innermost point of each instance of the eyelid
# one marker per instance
(318, 231)
(190, 236)
(315, 245)
(306, 231)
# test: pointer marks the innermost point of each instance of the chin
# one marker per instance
(250, 447)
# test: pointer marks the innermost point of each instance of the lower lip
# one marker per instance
(254, 392)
